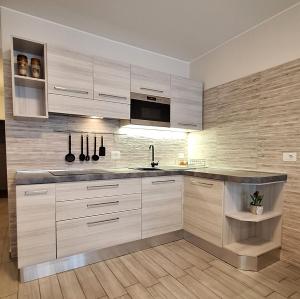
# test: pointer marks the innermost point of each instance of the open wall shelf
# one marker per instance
(29, 93)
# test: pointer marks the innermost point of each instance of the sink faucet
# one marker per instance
(153, 164)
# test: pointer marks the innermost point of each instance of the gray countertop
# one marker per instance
(238, 176)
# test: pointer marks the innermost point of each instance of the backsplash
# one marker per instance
(43, 145)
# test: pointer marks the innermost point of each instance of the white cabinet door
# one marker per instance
(161, 205)
(151, 82)
(203, 208)
(112, 88)
(186, 103)
(36, 224)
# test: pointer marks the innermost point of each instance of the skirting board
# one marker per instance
(72, 262)
(239, 261)
(29, 273)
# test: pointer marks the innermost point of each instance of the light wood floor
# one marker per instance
(175, 270)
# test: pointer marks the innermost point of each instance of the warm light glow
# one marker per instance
(152, 132)
(96, 117)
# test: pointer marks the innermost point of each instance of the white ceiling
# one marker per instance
(184, 29)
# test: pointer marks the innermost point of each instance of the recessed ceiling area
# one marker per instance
(184, 29)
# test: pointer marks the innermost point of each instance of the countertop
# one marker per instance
(238, 176)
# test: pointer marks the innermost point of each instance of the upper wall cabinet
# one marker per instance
(70, 73)
(150, 82)
(186, 103)
(112, 88)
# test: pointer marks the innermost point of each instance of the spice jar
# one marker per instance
(35, 67)
(22, 62)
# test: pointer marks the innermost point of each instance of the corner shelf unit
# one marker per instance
(248, 235)
(29, 93)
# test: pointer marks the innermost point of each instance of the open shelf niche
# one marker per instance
(247, 234)
(29, 93)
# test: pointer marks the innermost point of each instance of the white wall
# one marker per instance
(272, 43)
(23, 25)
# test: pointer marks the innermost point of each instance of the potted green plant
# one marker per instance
(256, 203)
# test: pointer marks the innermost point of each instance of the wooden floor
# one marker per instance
(175, 270)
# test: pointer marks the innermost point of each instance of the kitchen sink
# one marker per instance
(147, 168)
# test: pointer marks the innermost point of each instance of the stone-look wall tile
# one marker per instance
(252, 121)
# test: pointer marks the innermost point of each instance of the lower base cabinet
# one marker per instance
(161, 205)
(203, 209)
(97, 232)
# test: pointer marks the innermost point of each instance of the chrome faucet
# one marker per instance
(153, 164)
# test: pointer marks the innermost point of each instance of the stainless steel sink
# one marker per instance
(147, 168)
(77, 172)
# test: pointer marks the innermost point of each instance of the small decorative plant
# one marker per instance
(256, 203)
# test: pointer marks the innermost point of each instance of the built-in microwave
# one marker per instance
(149, 110)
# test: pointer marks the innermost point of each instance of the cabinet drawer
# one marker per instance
(90, 189)
(35, 224)
(96, 232)
(69, 73)
(203, 209)
(151, 82)
(161, 183)
(96, 206)
(113, 109)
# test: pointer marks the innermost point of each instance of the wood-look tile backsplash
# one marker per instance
(38, 145)
(249, 123)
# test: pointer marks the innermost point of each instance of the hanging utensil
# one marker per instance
(82, 155)
(95, 157)
(101, 148)
(70, 157)
(87, 157)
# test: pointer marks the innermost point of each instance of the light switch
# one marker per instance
(289, 157)
(115, 155)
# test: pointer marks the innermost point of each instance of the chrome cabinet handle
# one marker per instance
(95, 205)
(207, 185)
(70, 90)
(163, 182)
(185, 124)
(102, 187)
(36, 192)
(112, 96)
(151, 89)
(103, 221)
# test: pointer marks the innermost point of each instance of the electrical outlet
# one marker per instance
(289, 157)
(115, 155)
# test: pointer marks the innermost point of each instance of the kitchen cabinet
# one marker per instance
(112, 87)
(186, 103)
(70, 83)
(161, 205)
(150, 82)
(101, 231)
(203, 209)
(36, 234)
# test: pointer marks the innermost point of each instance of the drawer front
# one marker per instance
(162, 205)
(96, 206)
(96, 232)
(90, 189)
(151, 82)
(69, 73)
(35, 224)
(203, 209)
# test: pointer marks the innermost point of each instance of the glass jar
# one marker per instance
(35, 68)
(22, 62)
